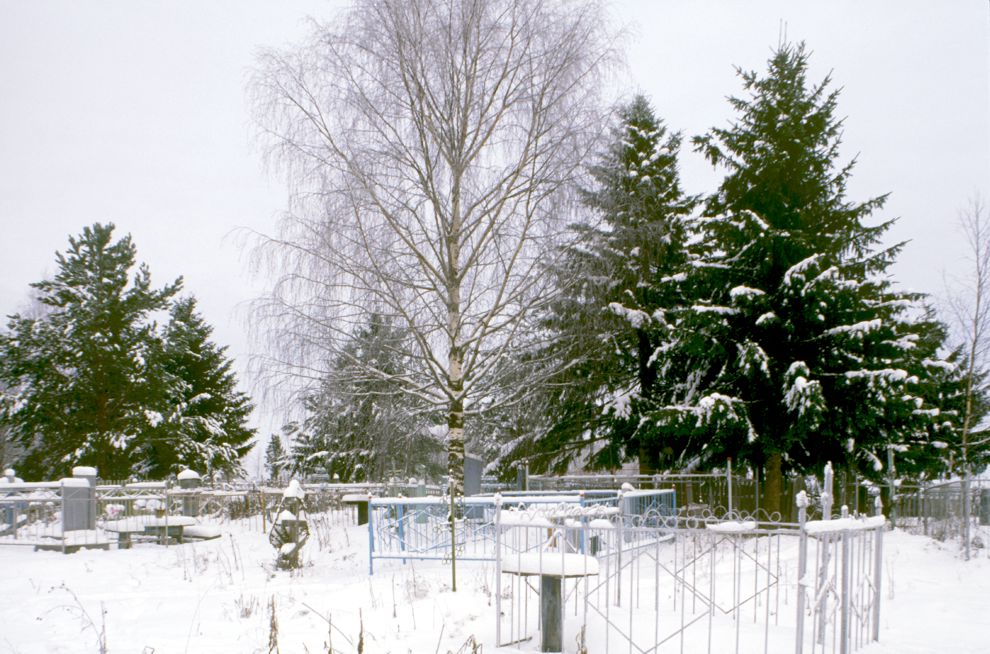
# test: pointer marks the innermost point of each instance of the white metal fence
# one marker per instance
(418, 528)
(602, 584)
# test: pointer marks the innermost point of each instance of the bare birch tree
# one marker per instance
(433, 149)
(971, 313)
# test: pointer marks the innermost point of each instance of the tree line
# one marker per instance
(480, 254)
(530, 273)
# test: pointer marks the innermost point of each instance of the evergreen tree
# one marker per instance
(307, 451)
(934, 448)
(275, 457)
(81, 371)
(360, 426)
(91, 378)
(615, 289)
(201, 417)
(796, 348)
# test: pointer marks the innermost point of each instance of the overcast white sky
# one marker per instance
(135, 113)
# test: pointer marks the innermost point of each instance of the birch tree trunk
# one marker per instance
(972, 315)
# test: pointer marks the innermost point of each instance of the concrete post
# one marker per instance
(421, 511)
(522, 477)
(10, 510)
(190, 480)
(550, 614)
(473, 468)
(985, 506)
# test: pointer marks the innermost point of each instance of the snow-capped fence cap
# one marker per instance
(802, 500)
(187, 474)
(84, 471)
(294, 490)
(9, 472)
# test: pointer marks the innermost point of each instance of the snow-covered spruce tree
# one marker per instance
(80, 371)
(942, 382)
(307, 451)
(358, 426)
(615, 287)
(276, 458)
(797, 349)
(200, 419)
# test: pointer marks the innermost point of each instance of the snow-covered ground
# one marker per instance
(217, 596)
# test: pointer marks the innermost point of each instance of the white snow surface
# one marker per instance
(213, 596)
(84, 471)
(187, 474)
(732, 527)
(843, 524)
(553, 564)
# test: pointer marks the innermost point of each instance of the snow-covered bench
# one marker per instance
(160, 528)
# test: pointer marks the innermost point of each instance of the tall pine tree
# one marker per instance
(81, 370)
(796, 348)
(92, 379)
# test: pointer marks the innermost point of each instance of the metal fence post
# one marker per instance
(802, 503)
(371, 538)
(498, 569)
(844, 616)
(728, 478)
(620, 536)
(877, 572)
(966, 510)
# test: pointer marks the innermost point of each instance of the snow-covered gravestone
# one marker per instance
(79, 499)
(189, 480)
(10, 508)
(290, 529)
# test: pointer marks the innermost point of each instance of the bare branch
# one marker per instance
(433, 150)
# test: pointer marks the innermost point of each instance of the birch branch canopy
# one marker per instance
(433, 150)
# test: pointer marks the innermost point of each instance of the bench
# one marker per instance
(161, 529)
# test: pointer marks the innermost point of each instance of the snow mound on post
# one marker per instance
(187, 474)
(294, 490)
